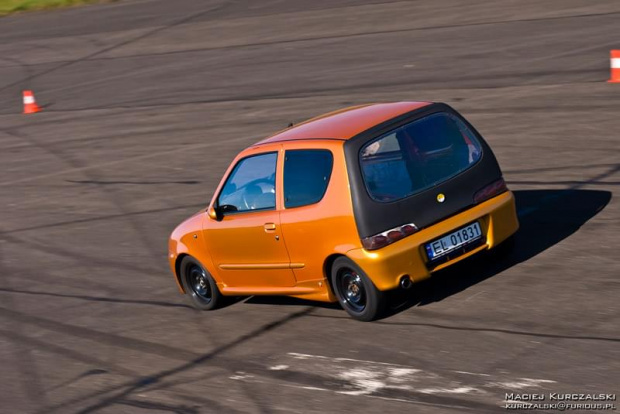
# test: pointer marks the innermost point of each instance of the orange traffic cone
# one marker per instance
(615, 67)
(30, 105)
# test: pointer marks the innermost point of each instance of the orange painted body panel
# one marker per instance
(344, 124)
(498, 221)
(284, 251)
(245, 253)
(187, 239)
(314, 232)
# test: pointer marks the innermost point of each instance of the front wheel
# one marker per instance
(355, 291)
(199, 285)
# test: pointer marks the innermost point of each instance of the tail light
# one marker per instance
(491, 190)
(388, 237)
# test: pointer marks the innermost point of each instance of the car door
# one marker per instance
(315, 221)
(246, 242)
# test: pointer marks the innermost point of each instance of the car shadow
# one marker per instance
(546, 217)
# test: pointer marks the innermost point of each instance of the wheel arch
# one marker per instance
(327, 269)
(177, 270)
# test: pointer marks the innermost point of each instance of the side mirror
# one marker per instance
(217, 213)
(212, 213)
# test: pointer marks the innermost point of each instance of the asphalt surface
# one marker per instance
(145, 104)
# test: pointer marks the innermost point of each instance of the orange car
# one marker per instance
(345, 207)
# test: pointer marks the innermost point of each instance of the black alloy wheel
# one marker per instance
(355, 291)
(199, 285)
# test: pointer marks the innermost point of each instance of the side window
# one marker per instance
(306, 175)
(251, 185)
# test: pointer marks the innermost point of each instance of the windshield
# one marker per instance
(417, 156)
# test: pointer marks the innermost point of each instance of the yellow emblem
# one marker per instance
(441, 198)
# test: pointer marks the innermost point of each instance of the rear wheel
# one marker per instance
(355, 291)
(199, 285)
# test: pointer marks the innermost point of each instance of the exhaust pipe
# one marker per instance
(405, 282)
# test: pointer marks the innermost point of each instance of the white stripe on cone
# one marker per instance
(30, 99)
(615, 63)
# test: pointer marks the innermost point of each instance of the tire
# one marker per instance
(355, 291)
(199, 285)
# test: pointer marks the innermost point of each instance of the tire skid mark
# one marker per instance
(122, 161)
(466, 82)
(565, 183)
(202, 401)
(133, 182)
(108, 193)
(101, 218)
(104, 368)
(150, 405)
(95, 56)
(32, 384)
(143, 35)
(507, 331)
(99, 298)
(78, 258)
(613, 168)
(128, 388)
(27, 68)
(133, 135)
(94, 117)
(65, 281)
(389, 381)
(112, 339)
(99, 336)
(46, 346)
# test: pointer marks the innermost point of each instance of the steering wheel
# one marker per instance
(249, 195)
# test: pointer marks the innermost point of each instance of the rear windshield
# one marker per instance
(417, 156)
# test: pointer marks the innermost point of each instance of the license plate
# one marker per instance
(453, 241)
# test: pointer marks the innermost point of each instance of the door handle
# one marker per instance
(270, 226)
